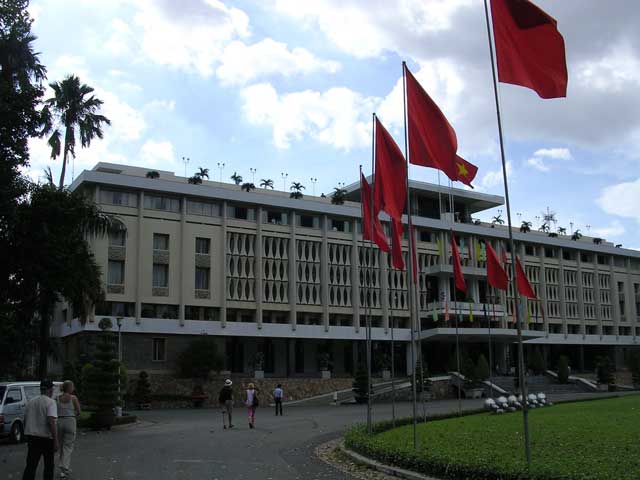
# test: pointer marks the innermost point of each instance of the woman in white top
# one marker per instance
(68, 410)
(252, 403)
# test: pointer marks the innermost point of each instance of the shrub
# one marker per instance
(361, 384)
(468, 369)
(143, 389)
(421, 376)
(536, 362)
(605, 370)
(634, 366)
(482, 369)
(100, 380)
(563, 369)
(199, 358)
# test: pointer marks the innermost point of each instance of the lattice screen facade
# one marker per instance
(308, 272)
(369, 271)
(275, 269)
(339, 268)
(397, 285)
(240, 248)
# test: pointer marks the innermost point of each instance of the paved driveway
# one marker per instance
(191, 445)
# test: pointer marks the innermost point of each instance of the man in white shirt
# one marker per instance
(41, 432)
(278, 394)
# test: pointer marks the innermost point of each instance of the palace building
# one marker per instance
(291, 278)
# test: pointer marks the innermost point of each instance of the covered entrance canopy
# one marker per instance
(501, 335)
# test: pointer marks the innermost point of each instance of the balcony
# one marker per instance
(447, 270)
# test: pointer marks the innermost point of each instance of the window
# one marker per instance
(115, 274)
(160, 275)
(114, 197)
(202, 278)
(207, 209)
(425, 236)
(159, 349)
(308, 221)
(530, 250)
(118, 239)
(160, 241)
(156, 202)
(203, 245)
(550, 252)
(339, 225)
(14, 395)
(585, 257)
(275, 218)
(31, 392)
(603, 260)
(569, 255)
(241, 213)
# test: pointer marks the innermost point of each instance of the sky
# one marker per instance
(289, 87)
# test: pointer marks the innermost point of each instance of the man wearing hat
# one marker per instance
(40, 429)
(226, 402)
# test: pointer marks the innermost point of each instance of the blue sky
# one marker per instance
(290, 86)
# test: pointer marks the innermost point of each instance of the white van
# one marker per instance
(13, 400)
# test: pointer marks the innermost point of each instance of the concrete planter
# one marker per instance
(386, 375)
(258, 374)
(326, 374)
(473, 392)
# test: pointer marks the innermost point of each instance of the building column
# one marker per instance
(183, 258)
(580, 295)
(355, 277)
(223, 265)
(292, 273)
(258, 290)
(139, 279)
(596, 295)
(563, 307)
(542, 282)
(383, 264)
(324, 273)
(615, 297)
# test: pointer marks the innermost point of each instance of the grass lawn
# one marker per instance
(586, 440)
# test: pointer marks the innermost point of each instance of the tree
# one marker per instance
(195, 180)
(54, 259)
(482, 369)
(562, 231)
(525, 227)
(237, 179)
(152, 174)
(634, 366)
(497, 219)
(72, 110)
(142, 394)
(266, 183)
(338, 196)
(296, 190)
(199, 358)
(544, 228)
(421, 375)
(248, 186)
(203, 173)
(597, 241)
(577, 235)
(563, 369)
(468, 369)
(361, 385)
(101, 380)
(605, 370)
(536, 362)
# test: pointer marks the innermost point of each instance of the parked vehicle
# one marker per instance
(13, 400)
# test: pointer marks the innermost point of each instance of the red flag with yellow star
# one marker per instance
(432, 140)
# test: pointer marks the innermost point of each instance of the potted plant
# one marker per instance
(324, 360)
(361, 385)
(605, 372)
(384, 364)
(258, 366)
(248, 186)
(143, 391)
(296, 190)
(198, 396)
(525, 227)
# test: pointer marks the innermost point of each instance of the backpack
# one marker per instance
(256, 401)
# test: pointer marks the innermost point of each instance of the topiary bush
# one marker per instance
(536, 362)
(605, 370)
(482, 369)
(142, 394)
(361, 385)
(421, 379)
(563, 369)
(199, 358)
(100, 381)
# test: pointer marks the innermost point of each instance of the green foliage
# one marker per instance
(361, 384)
(338, 196)
(421, 376)
(199, 358)
(100, 379)
(589, 435)
(536, 362)
(634, 366)
(605, 370)
(468, 369)
(482, 369)
(563, 369)
(143, 388)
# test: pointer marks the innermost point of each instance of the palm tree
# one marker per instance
(248, 186)
(544, 228)
(72, 110)
(562, 231)
(338, 196)
(525, 227)
(266, 183)
(152, 174)
(497, 219)
(577, 235)
(203, 173)
(296, 188)
(195, 180)
(237, 179)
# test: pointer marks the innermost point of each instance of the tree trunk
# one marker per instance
(67, 134)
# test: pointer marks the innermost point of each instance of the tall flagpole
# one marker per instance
(521, 376)
(493, 291)
(371, 253)
(393, 372)
(419, 322)
(410, 262)
(455, 302)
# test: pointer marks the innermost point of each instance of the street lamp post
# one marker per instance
(221, 168)
(185, 160)
(284, 181)
(313, 181)
(253, 174)
(119, 322)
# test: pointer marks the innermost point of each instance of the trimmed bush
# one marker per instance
(142, 394)
(563, 369)
(100, 381)
(482, 369)
(536, 362)
(361, 385)
(634, 366)
(605, 370)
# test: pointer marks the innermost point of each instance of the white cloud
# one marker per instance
(614, 71)
(337, 117)
(621, 200)
(614, 229)
(241, 63)
(166, 105)
(494, 178)
(158, 153)
(538, 164)
(119, 43)
(127, 123)
(537, 161)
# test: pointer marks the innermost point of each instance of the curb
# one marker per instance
(381, 467)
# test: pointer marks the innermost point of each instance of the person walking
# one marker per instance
(225, 398)
(277, 398)
(252, 403)
(40, 429)
(68, 411)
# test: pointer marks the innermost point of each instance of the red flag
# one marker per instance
(504, 256)
(396, 244)
(378, 233)
(457, 268)
(432, 140)
(390, 185)
(496, 276)
(529, 48)
(524, 287)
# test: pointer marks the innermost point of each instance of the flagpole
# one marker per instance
(493, 303)
(455, 297)
(521, 376)
(371, 253)
(410, 262)
(419, 321)
(393, 370)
